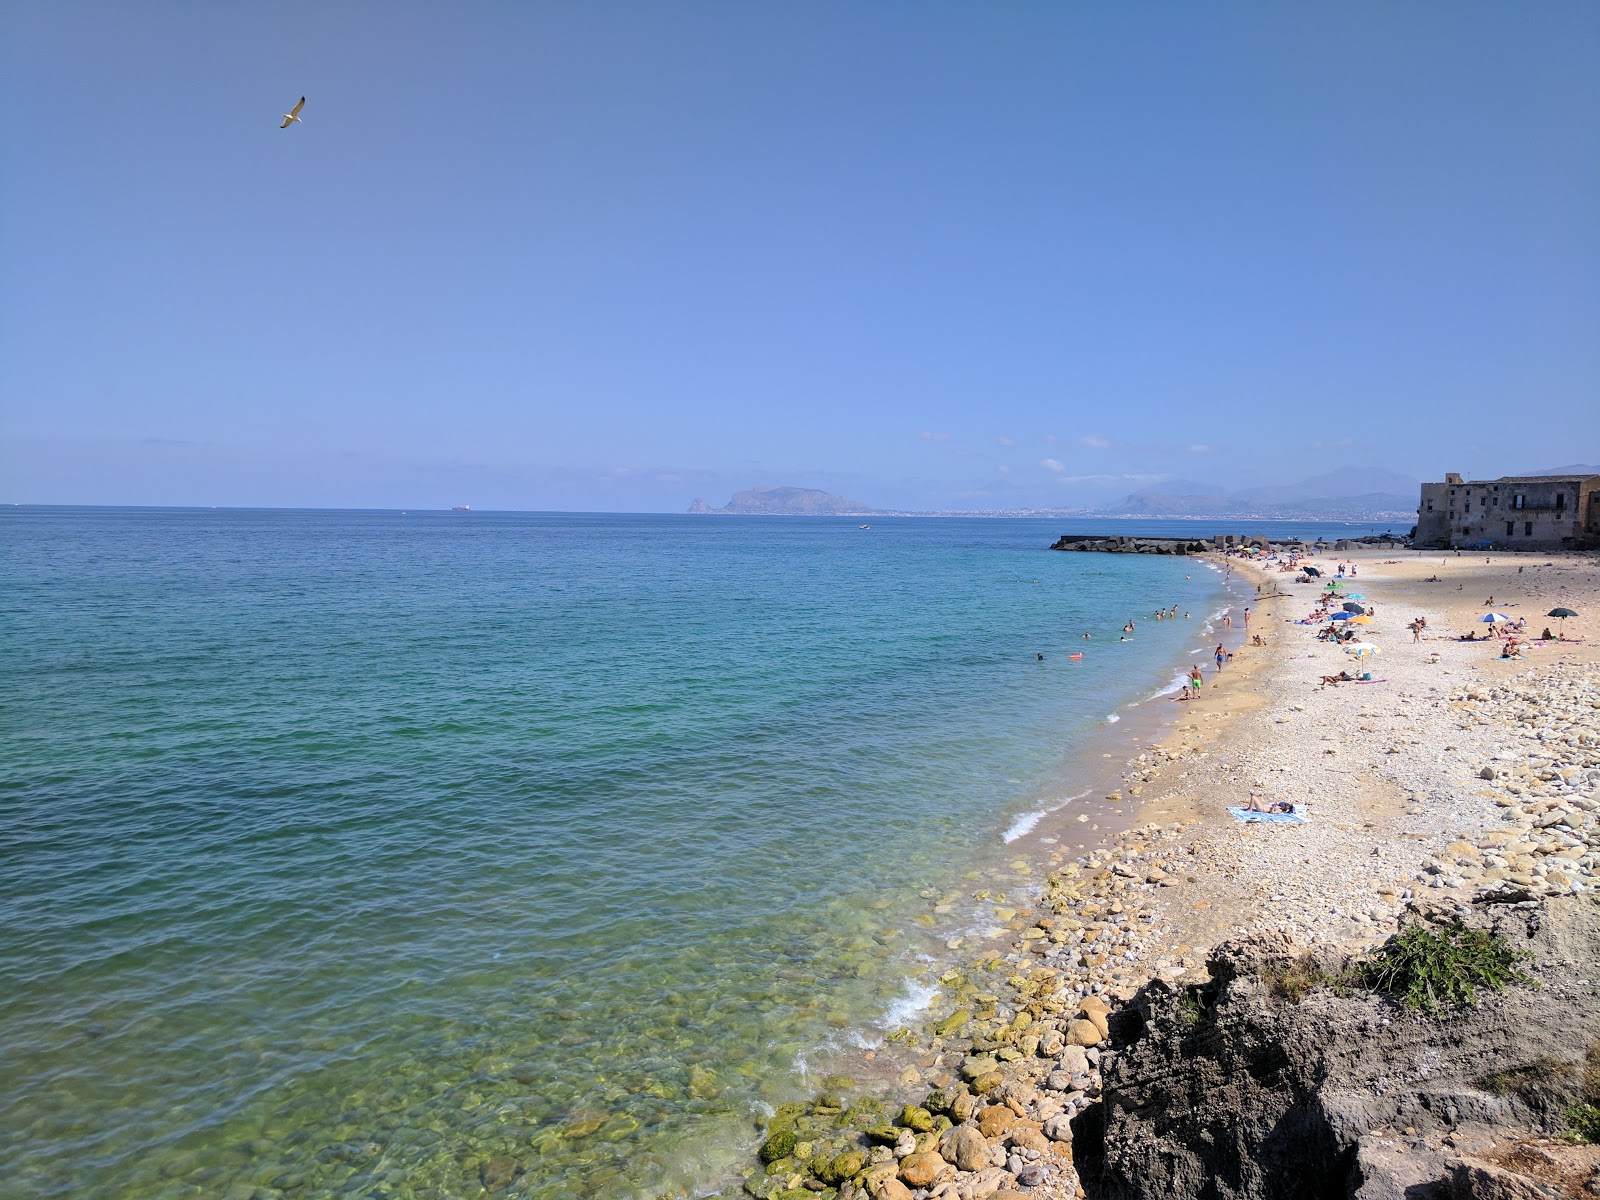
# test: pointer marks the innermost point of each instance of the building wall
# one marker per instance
(1514, 513)
(1433, 520)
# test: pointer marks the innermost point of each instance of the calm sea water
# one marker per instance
(340, 852)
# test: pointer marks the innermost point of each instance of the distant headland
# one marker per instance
(786, 502)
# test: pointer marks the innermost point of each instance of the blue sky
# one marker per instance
(613, 256)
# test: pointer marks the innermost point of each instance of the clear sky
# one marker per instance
(612, 256)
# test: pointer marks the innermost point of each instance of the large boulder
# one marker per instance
(1228, 1092)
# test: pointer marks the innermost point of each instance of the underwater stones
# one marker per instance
(953, 1023)
(584, 1124)
(499, 1172)
(703, 1083)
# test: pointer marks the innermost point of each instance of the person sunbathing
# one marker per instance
(1341, 677)
(1277, 806)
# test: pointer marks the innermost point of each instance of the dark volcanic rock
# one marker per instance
(1224, 1092)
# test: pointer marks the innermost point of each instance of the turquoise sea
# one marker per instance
(343, 851)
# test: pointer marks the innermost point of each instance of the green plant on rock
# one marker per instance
(1432, 968)
(1584, 1116)
(1584, 1120)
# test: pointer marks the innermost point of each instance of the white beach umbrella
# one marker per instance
(1492, 618)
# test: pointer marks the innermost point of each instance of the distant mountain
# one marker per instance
(1574, 469)
(1349, 493)
(785, 502)
(1345, 483)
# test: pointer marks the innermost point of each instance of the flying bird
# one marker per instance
(293, 115)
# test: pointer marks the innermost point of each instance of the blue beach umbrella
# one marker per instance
(1354, 596)
(1341, 616)
(1492, 618)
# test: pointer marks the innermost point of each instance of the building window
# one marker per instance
(1561, 501)
(1511, 528)
(1527, 529)
(1516, 501)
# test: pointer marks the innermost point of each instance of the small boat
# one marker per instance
(863, 526)
(461, 508)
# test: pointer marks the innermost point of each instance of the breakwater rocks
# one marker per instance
(1277, 1076)
(1131, 545)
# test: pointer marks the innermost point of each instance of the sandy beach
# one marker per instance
(1453, 773)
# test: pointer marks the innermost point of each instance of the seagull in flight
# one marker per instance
(293, 115)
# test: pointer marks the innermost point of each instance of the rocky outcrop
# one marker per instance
(1225, 1091)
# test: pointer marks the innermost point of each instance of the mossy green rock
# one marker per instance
(883, 1135)
(779, 1144)
(915, 1117)
(842, 1167)
(953, 1022)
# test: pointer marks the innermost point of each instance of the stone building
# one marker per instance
(1533, 512)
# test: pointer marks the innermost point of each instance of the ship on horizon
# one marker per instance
(461, 508)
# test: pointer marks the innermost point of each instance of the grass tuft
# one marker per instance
(1295, 980)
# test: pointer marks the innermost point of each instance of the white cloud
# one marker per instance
(1095, 440)
(1004, 470)
(1051, 439)
(1052, 464)
(1199, 448)
(929, 436)
(1003, 440)
(1336, 444)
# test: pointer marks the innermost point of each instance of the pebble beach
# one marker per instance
(1453, 774)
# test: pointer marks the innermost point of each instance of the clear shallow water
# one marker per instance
(340, 852)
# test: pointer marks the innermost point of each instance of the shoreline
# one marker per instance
(1390, 821)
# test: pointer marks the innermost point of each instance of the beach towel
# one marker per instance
(1251, 818)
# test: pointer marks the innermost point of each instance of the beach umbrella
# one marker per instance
(1361, 649)
(1354, 596)
(1492, 618)
(1313, 572)
(1350, 606)
(1361, 620)
(1562, 614)
(1341, 616)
